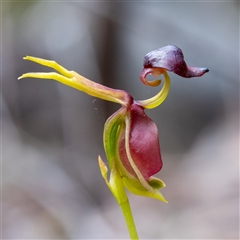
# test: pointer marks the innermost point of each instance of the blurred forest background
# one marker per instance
(52, 134)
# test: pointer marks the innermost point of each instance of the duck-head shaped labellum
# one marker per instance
(168, 58)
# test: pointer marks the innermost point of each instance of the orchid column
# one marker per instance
(130, 137)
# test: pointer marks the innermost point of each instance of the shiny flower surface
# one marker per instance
(168, 58)
(143, 144)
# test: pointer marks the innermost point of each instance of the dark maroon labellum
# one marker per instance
(171, 58)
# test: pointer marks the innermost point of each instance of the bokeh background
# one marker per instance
(51, 134)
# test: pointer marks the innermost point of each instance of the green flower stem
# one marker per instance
(116, 186)
(122, 199)
(127, 212)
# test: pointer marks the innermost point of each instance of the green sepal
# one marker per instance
(136, 187)
(111, 131)
(104, 171)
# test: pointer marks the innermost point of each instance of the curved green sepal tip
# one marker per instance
(135, 187)
(156, 183)
(104, 171)
(103, 168)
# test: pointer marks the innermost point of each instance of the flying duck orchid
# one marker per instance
(130, 137)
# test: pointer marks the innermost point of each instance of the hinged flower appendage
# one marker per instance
(168, 58)
(130, 137)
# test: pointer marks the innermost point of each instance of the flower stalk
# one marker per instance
(116, 186)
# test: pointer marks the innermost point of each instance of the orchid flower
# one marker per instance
(130, 137)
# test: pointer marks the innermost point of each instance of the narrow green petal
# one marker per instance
(103, 168)
(50, 75)
(98, 90)
(51, 64)
(104, 171)
(73, 79)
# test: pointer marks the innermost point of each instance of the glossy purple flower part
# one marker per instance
(168, 58)
(143, 144)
